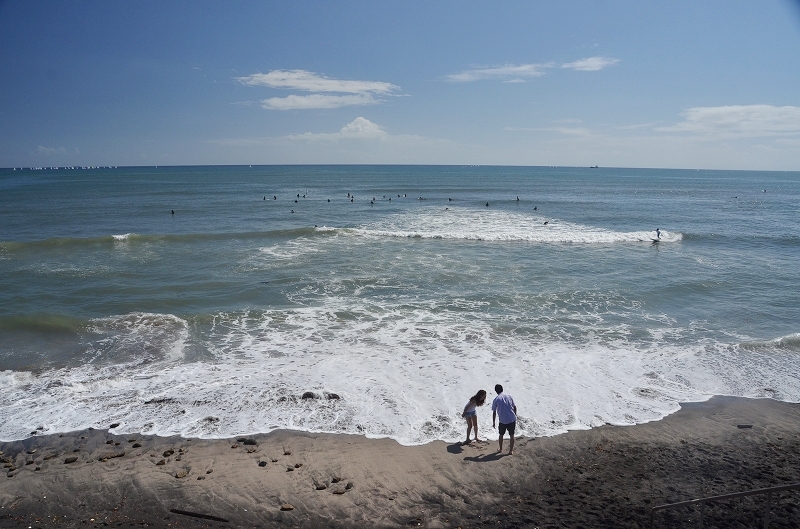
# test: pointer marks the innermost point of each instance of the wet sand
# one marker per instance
(605, 477)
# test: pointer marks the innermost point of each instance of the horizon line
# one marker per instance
(96, 167)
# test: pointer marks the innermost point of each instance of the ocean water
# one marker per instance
(402, 302)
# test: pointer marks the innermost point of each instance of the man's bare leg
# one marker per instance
(511, 446)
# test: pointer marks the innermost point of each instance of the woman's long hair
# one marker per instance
(479, 398)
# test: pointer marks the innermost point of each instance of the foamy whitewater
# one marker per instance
(268, 283)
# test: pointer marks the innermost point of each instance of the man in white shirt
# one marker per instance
(503, 408)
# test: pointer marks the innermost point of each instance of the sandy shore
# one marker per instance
(605, 477)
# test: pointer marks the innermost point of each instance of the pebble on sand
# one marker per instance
(287, 507)
(112, 455)
(70, 459)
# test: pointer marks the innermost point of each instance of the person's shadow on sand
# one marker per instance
(456, 448)
(483, 458)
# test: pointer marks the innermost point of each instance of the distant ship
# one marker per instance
(592, 167)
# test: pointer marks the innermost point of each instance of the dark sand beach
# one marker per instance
(606, 477)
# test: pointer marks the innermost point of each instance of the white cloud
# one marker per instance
(313, 82)
(294, 102)
(360, 128)
(355, 92)
(739, 121)
(509, 72)
(590, 64)
(51, 151)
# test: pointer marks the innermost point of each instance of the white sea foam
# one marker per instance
(400, 374)
(139, 338)
(279, 254)
(123, 237)
(492, 225)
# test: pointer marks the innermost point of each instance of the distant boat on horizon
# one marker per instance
(593, 167)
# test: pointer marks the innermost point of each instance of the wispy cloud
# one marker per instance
(51, 151)
(294, 102)
(638, 126)
(353, 92)
(739, 121)
(590, 64)
(517, 73)
(313, 82)
(507, 72)
(569, 131)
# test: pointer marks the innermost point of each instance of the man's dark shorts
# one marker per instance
(510, 427)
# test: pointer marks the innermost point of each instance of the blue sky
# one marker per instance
(680, 84)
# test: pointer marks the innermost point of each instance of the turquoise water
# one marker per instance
(214, 320)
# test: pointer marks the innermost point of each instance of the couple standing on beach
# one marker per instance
(503, 408)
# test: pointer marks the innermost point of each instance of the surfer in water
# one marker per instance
(658, 233)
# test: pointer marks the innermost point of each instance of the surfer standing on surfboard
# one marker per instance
(658, 233)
